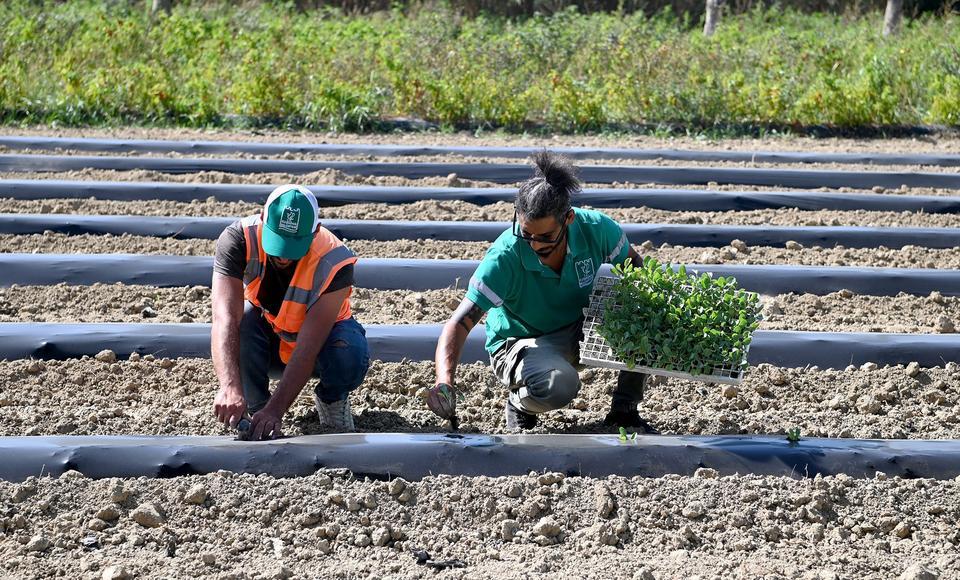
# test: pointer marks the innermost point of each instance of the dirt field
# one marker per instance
(121, 303)
(932, 144)
(242, 527)
(335, 177)
(458, 158)
(176, 397)
(906, 257)
(432, 210)
(518, 527)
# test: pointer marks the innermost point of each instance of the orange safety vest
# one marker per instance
(314, 272)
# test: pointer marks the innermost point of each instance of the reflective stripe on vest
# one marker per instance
(314, 273)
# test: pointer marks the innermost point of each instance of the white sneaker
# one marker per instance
(335, 416)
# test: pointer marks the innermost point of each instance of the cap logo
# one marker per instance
(290, 220)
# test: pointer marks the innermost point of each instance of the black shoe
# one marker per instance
(629, 418)
(518, 419)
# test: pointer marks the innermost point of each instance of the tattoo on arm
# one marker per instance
(470, 318)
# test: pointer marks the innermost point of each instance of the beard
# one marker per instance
(546, 252)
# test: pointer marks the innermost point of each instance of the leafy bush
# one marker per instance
(664, 318)
(209, 63)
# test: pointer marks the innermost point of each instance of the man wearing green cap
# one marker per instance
(281, 301)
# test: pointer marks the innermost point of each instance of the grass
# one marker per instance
(84, 62)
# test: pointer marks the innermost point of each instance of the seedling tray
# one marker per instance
(594, 350)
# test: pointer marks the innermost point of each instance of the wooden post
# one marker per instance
(712, 17)
(164, 5)
(892, 17)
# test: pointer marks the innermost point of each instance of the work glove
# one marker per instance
(442, 400)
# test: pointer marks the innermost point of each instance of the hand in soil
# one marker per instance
(442, 400)
(229, 406)
(265, 424)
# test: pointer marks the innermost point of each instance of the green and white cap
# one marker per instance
(290, 217)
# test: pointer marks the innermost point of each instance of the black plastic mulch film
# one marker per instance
(494, 172)
(236, 147)
(414, 456)
(425, 274)
(395, 342)
(335, 195)
(387, 230)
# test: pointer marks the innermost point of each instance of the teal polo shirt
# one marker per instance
(525, 298)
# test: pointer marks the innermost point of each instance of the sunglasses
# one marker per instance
(538, 239)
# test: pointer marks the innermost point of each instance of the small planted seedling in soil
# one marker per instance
(793, 435)
(660, 318)
(624, 436)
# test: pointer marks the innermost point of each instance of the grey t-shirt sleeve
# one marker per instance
(231, 255)
(342, 279)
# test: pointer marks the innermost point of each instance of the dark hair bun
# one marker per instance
(556, 170)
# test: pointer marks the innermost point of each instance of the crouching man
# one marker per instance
(281, 302)
(534, 283)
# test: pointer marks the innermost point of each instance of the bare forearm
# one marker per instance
(453, 337)
(225, 351)
(449, 348)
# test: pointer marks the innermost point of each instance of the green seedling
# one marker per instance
(667, 319)
(624, 435)
(793, 435)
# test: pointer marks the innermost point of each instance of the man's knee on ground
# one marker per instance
(555, 388)
(342, 366)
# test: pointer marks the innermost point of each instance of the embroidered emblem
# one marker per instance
(290, 220)
(585, 272)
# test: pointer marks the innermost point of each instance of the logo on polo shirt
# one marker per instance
(585, 272)
(290, 221)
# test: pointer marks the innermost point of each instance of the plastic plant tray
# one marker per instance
(594, 350)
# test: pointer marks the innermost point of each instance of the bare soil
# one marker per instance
(906, 257)
(927, 144)
(336, 177)
(457, 158)
(175, 397)
(434, 210)
(121, 303)
(670, 527)
(511, 527)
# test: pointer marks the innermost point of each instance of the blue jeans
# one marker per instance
(341, 364)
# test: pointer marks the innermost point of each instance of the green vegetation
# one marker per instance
(624, 436)
(793, 435)
(86, 62)
(664, 318)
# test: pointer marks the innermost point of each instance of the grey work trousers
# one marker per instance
(541, 372)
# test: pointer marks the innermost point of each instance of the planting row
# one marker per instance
(793, 253)
(503, 173)
(671, 199)
(492, 527)
(452, 179)
(844, 312)
(699, 235)
(175, 396)
(437, 210)
(492, 168)
(113, 146)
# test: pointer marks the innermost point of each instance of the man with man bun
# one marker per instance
(533, 283)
